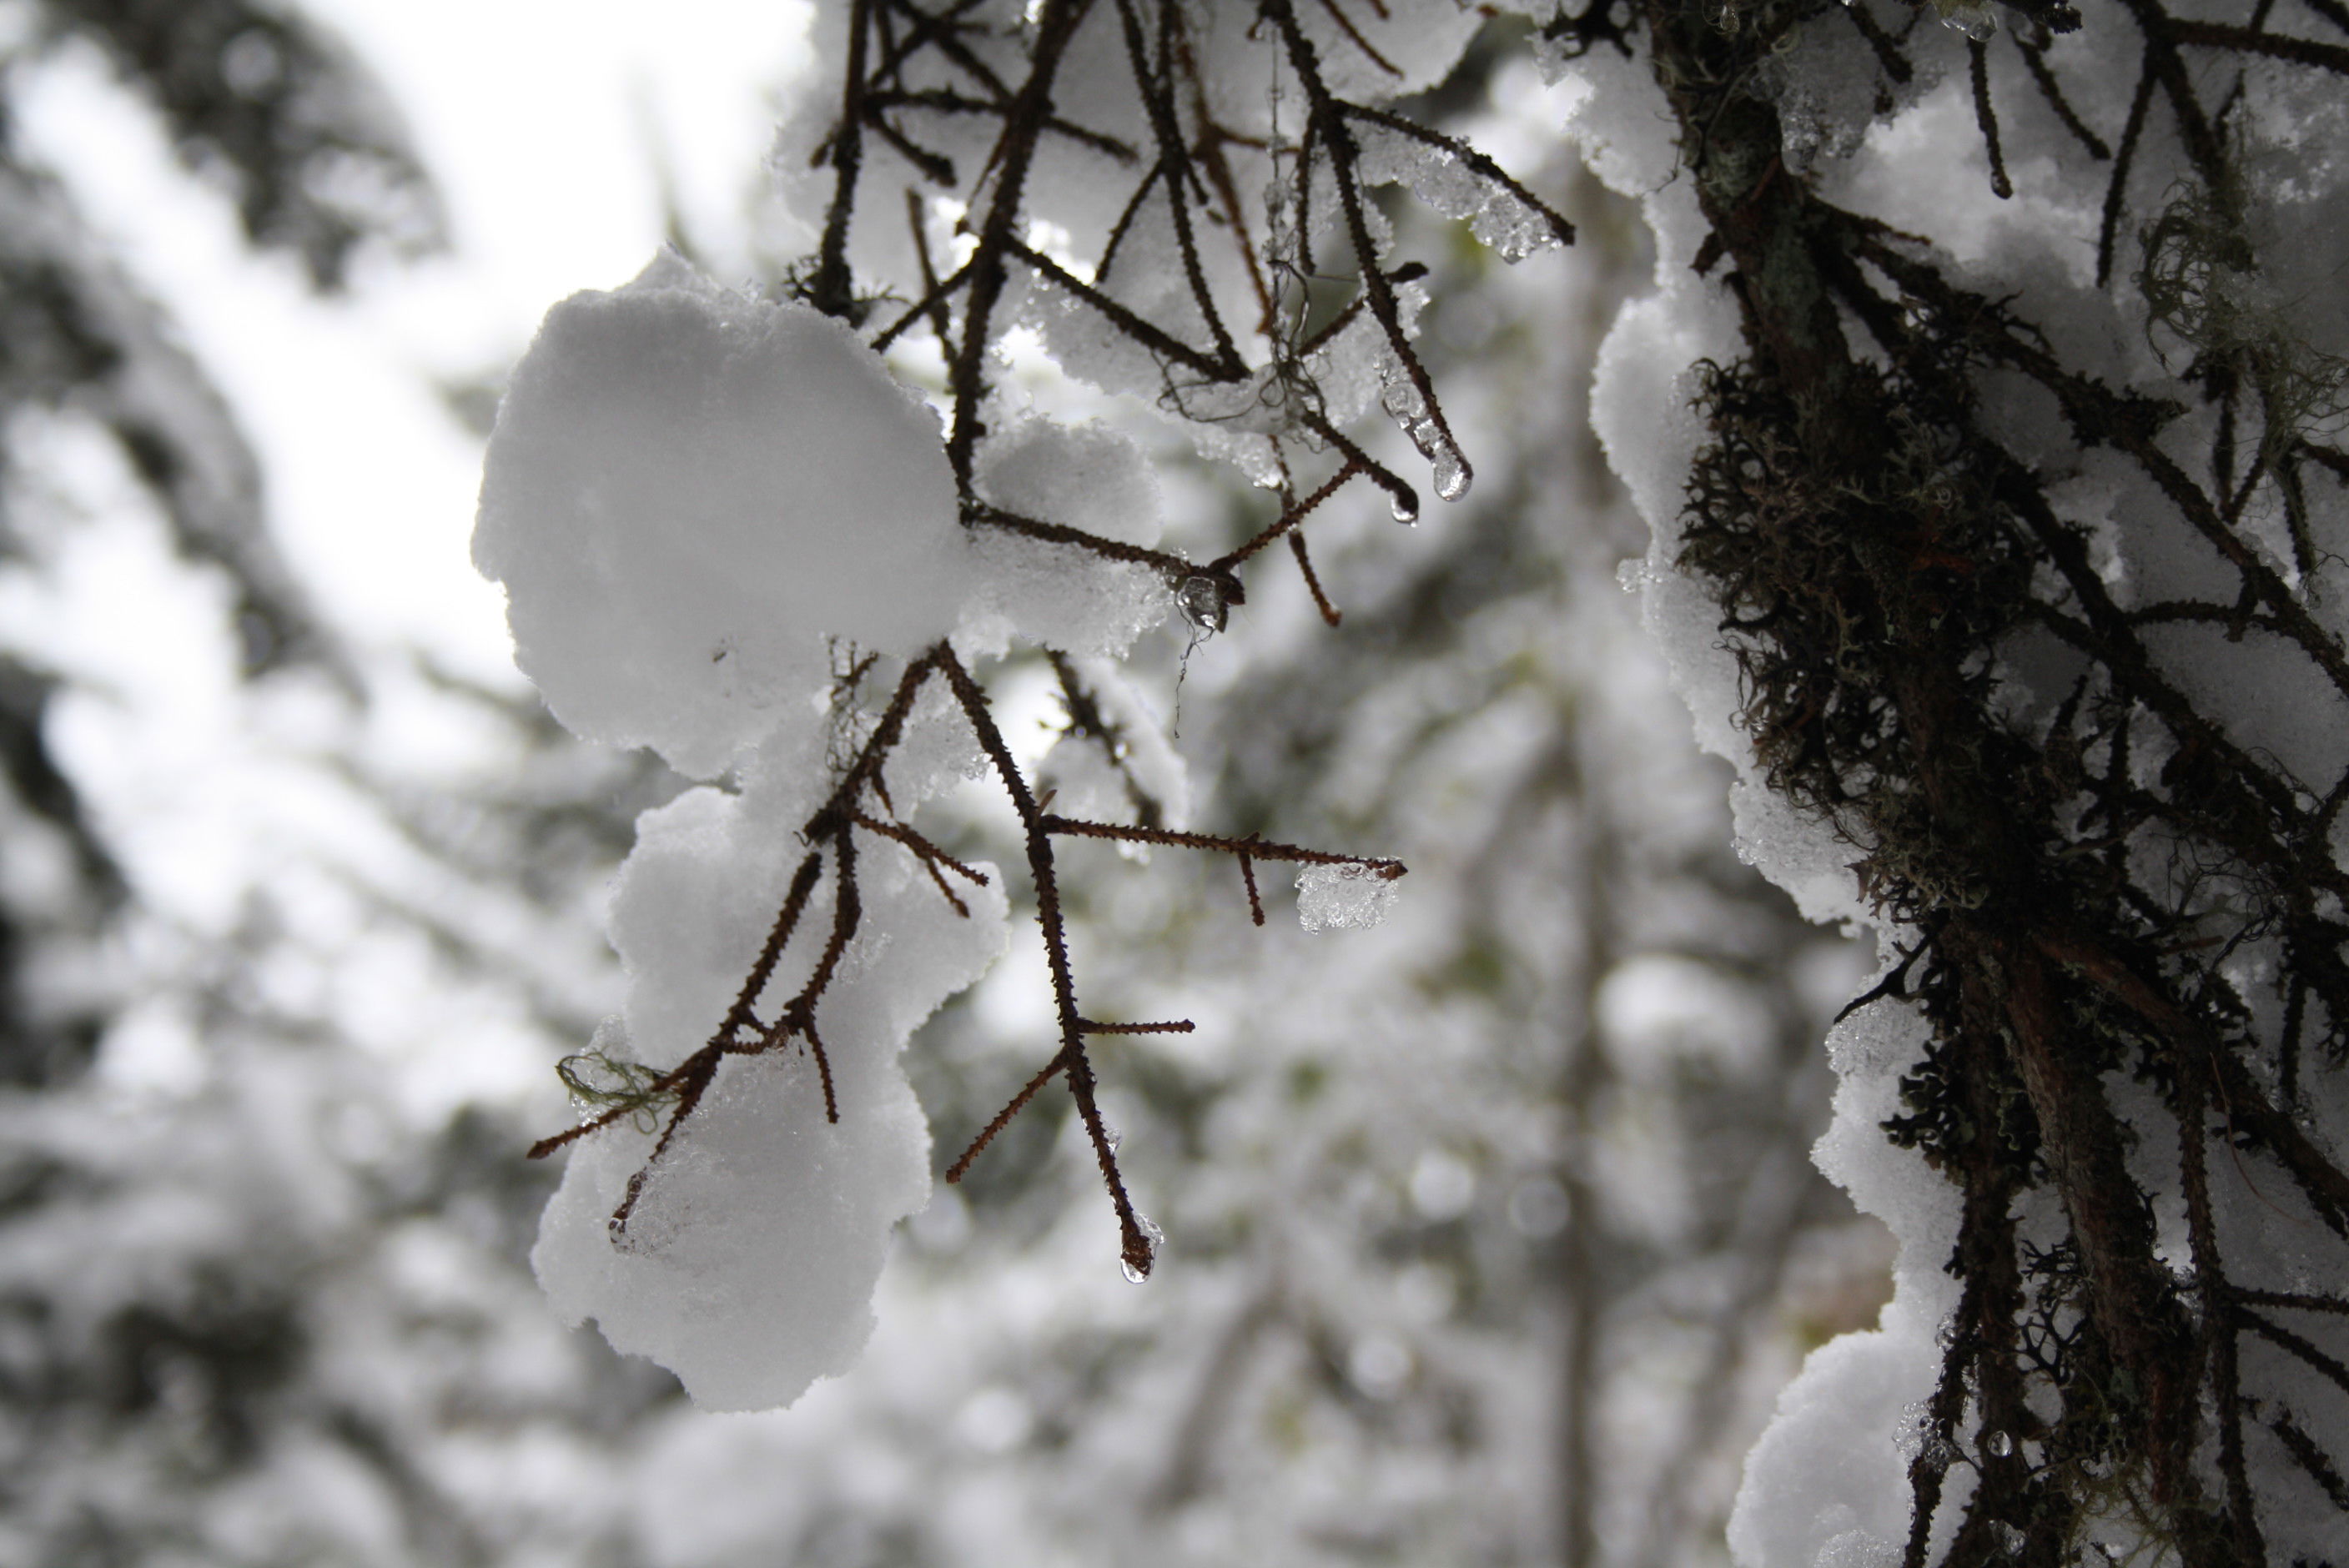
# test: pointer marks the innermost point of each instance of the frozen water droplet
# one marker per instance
(1975, 20)
(1111, 1136)
(1201, 600)
(1152, 1238)
(1349, 897)
(1946, 1335)
(1406, 508)
(1409, 410)
(1451, 475)
(1513, 229)
(1998, 1445)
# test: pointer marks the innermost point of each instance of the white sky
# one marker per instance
(543, 122)
(539, 119)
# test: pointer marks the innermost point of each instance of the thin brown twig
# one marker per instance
(961, 1167)
(1331, 617)
(1253, 847)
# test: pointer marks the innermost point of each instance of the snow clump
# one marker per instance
(690, 491)
(747, 1265)
(688, 488)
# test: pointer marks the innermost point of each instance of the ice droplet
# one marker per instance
(1111, 1136)
(1976, 20)
(1409, 410)
(1349, 897)
(1513, 229)
(1451, 474)
(1201, 600)
(1406, 508)
(1152, 1238)
(1998, 1445)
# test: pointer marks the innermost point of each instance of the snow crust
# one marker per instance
(1827, 1485)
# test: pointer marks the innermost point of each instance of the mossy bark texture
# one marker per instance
(2123, 925)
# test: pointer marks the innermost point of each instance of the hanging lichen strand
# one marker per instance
(2044, 627)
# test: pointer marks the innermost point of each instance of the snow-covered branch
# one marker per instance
(690, 490)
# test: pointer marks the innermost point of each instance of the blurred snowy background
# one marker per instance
(1492, 1232)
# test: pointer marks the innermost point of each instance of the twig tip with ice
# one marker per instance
(1353, 896)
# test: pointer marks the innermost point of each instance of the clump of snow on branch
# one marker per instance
(690, 493)
(747, 1265)
(687, 490)
(709, 508)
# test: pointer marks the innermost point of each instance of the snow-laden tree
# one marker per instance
(317, 166)
(1984, 417)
